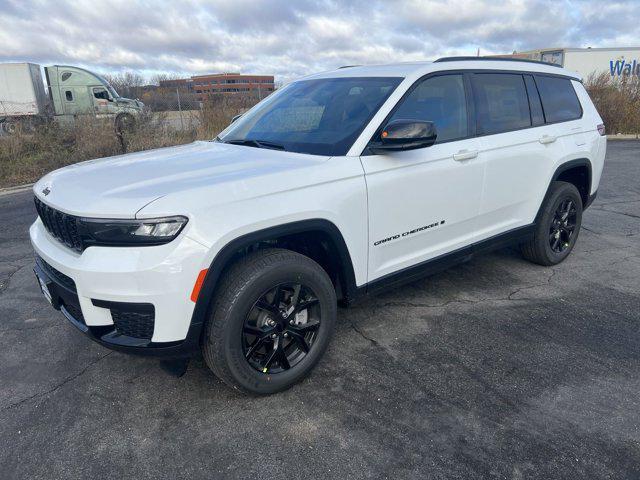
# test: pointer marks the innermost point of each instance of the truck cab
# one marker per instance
(76, 91)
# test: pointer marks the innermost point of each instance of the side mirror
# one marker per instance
(400, 135)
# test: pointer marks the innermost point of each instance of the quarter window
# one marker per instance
(559, 99)
(440, 100)
(501, 101)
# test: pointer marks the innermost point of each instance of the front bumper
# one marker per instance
(134, 299)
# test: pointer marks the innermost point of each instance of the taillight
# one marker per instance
(601, 129)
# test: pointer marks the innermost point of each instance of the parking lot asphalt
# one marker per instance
(497, 368)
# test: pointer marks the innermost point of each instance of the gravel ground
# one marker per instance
(494, 369)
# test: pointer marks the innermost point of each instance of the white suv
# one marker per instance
(337, 185)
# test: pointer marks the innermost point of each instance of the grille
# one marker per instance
(57, 275)
(134, 324)
(75, 312)
(61, 226)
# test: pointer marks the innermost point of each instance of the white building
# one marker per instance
(586, 61)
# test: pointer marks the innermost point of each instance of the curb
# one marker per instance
(16, 189)
(622, 136)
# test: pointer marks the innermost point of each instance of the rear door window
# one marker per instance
(559, 99)
(501, 102)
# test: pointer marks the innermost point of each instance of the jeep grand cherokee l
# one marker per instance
(337, 185)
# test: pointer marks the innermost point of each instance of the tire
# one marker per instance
(557, 227)
(8, 127)
(125, 123)
(246, 310)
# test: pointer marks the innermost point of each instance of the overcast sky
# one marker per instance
(290, 38)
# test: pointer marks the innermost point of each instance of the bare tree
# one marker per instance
(128, 84)
(162, 77)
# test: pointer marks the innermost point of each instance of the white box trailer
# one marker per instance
(617, 61)
(22, 90)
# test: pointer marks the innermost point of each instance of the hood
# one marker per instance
(127, 102)
(118, 187)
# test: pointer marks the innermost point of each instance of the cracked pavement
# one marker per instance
(496, 368)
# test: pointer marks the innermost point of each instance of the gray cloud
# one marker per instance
(292, 38)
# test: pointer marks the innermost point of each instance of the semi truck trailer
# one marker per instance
(70, 92)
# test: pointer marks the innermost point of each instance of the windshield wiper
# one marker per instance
(256, 143)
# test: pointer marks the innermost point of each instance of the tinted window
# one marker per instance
(559, 99)
(501, 102)
(68, 95)
(322, 117)
(440, 100)
(537, 117)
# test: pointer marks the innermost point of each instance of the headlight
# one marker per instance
(111, 232)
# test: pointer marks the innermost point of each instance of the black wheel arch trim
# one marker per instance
(579, 162)
(566, 166)
(225, 255)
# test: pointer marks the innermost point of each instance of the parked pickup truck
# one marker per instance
(72, 91)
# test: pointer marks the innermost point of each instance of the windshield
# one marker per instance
(320, 117)
(108, 86)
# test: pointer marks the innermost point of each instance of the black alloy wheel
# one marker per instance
(563, 226)
(557, 226)
(281, 327)
(271, 321)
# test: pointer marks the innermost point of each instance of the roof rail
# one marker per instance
(495, 59)
(348, 66)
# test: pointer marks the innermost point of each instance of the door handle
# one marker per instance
(545, 139)
(465, 155)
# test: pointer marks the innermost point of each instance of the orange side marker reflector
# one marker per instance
(198, 285)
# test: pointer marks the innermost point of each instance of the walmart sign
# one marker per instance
(622, 67)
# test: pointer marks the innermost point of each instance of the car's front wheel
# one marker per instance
(272, 320)
(125, 123)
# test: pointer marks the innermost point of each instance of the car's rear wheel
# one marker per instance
(271, 322)
(557, 227)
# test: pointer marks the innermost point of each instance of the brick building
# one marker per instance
(226, 83)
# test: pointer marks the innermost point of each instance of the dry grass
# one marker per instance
(27, 156)
(617, 101)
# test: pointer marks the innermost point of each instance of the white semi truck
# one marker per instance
(70, 92)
